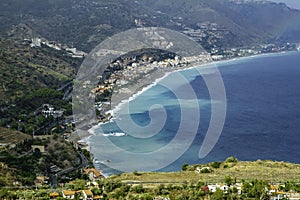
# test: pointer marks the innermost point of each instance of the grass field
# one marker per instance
(261, 170)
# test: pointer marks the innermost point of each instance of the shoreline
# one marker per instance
(138, 89)
(143, 84)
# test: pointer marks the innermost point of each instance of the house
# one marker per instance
(279, 195)
(93, 174)
(212, 188)
(293, 196)
(53, 195)
(68, 194)
(36, 42)
(223, 187)
(48, 110)
(87, 195)
(93, 184)
(41, 180)
(273, 189)
(203, 170)
(161, 198)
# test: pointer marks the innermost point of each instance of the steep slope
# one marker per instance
(24, 69)
(268, 19)
(82, 23)
(29, 77)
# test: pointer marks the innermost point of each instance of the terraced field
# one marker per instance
(9, 137)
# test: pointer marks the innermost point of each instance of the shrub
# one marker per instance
(228, 180)
(205, 170)
(136, 173)
(184, 167)
(215, 165)
(231, 160)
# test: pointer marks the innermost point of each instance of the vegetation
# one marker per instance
(180, 185)
(114, 189)
(238, 171)
(73, 25)
(10, 137)
(29, 77)
(28, 162)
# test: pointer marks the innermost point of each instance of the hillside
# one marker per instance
(23, 69)
(11, 137)
(249, 21)
(85, 23)
(7, 175)
(29, 78)
(82, 23)
(27, 162)
(270, 171)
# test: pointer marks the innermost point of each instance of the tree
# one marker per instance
(146, 197)
(216, 165)
(228, 180)
(257, 190)
(219, 194)
(138, 189)
(231, 159)
(184, 166)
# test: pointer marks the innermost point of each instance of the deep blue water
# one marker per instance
(262, 118)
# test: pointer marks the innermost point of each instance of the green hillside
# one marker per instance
(269, 171)
(29, 78)
(86, 23)
(23, 69)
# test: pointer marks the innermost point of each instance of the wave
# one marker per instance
(114, 134)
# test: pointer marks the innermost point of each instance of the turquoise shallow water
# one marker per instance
(262, 118)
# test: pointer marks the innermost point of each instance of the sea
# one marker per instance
(262, 118)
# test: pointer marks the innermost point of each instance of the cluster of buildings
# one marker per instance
(70, 194)
(86, 194)
(273, 190)
(73, 52)
(49, 110)
(137, 69)
(277, 194)
(208, 32)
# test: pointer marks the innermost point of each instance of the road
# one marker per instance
(84, 164)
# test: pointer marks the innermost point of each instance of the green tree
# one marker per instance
(228, 180)
(146, 197)
(138, 189)
(231, 159)
(218, 195)
(184, 166)
(215, 165)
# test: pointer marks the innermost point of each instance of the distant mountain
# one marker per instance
(249, 20)
(82, 23)
(85, 23)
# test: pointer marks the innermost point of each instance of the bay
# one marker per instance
(262, 118)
